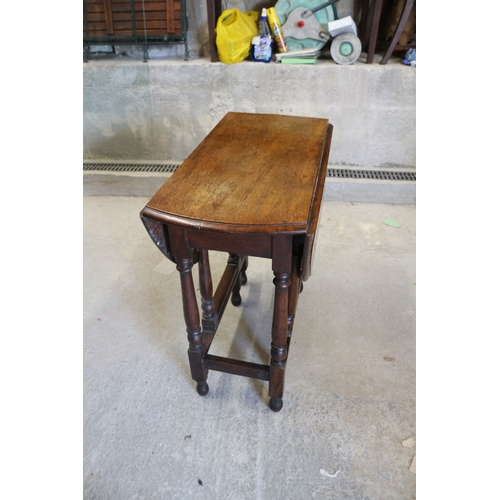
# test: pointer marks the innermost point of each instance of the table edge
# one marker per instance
(314, 213)
(317, 198)
(223, 227)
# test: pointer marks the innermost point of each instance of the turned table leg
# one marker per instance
(233, 260)
(293, 292)
(244, 271)
(191, 314)
(282, 267)
(206, 292)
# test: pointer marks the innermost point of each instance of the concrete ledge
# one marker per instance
(355, 190)
(371, 191)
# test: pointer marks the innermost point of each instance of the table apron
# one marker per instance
(243, 244)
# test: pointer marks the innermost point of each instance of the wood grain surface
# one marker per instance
(251, 170)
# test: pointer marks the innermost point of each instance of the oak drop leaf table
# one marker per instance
(253, 187)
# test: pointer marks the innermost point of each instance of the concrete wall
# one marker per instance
(161, 110)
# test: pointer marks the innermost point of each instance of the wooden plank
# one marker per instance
(155, 6)
(150, 16)
(149, 7)
(259, 246)
(96, 33)
(372, 42)
(169, 10)
(113, 17)
(122, 16)
(139, 32)
(121, 7)
(109, 16)
(225, 288)
(97, 26)
(95, 8)
(265, 186)
(236, 367)
(127, 31)
(153, 25)
(98, 17)
(314, 214)
(139, 2)
(212, 20)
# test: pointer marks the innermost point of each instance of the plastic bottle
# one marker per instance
(274, 22)
(262, 44)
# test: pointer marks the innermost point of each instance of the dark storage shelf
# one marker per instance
(129, 22)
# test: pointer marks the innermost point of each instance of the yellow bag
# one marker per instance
(234, 33)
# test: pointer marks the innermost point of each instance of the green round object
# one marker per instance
(323, 16)
(346, 49)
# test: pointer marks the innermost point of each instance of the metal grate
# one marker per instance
(340, 173)
(130, 167)
(386, 175)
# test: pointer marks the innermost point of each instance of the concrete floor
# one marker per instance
(349, 398)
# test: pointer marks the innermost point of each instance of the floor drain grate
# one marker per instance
(130, 167)
(385, 175)
(339, 173)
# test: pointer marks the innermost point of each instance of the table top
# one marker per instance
(252, 173)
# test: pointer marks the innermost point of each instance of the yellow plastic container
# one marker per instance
(274, 22)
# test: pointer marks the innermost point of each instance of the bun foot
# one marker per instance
(202, 388)
(236, 299)
(276, 403)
